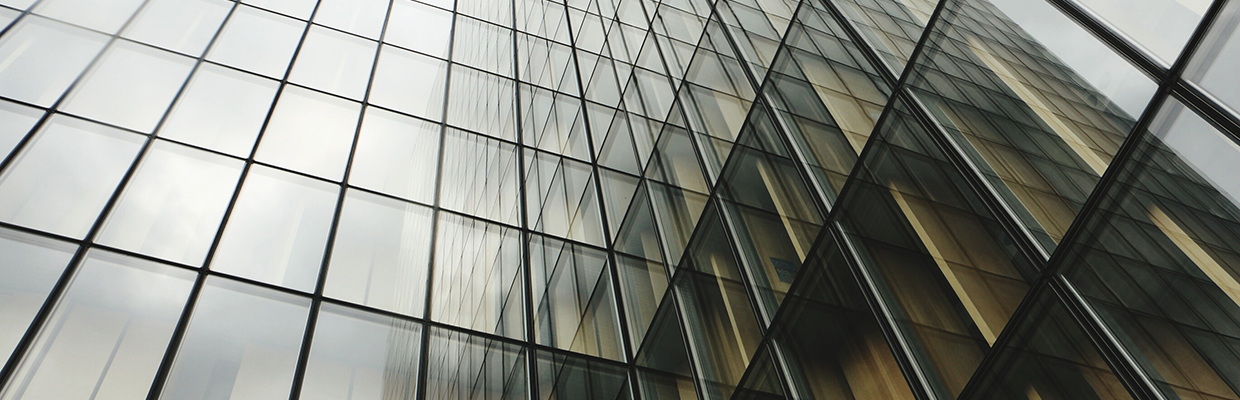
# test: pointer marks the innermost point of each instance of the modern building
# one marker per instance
(619, 199)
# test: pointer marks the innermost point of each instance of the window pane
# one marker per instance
(480, 177)
(410, 83)
(184, 26)
(65, 175)
(173, 204)
(564, 377)
(103, 15)
(334, 62)
(42, 57)
(482, 45)
(420, 28)
(294, 8)
(359, 356)
(108, 334)
(462, 366)
(483, 103)
(574, 307)
(478, 280)
(396, 155)
(361, 17)
(310, 132)
(222, 109)
(131, 86)
(239, 44)
(381, 254)
(242, 343)
(277, 229)
(30, 268)
(15, 122)
(1162, 26)
(1214, 65)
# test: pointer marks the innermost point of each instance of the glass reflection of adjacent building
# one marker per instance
(619, 199)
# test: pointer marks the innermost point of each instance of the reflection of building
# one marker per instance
(614, 199)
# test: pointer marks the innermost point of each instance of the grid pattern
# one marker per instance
(619, 199)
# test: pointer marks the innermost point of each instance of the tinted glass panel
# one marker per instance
(360, 356)
(381, 254)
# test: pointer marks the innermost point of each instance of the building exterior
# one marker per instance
(619, 199)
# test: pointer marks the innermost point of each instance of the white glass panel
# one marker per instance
(222, 109)
(310, 132)
(131, 86)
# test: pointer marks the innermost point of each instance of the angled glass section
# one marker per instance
(1036, 102)
(560, 198)
(108, 333)
(893, 27)
(362, 356)
(573, 302)
(479, 177)
(131, 86)
(1159, 261)
(941, 261)
(477, 280)
(567, 377)
(460, 365)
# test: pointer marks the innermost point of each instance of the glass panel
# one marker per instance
(483, 46)
(410, 83)
(892, 27)
(941, 261)
(480, 177)
(173, 204)
(561, 198)
(15, 122)
(1160, 261)
(334, 62)
(470, 367)
(131, 86)
(1161, 26)
(102, 15)
(237, 47)
(574, 309)
(563, 377)
(1049, 358)
(43, 57)
(63, 178)
(483, 103)
(361, 17)
(107, 335)
(277, 229)
(477, 277)
(294, 8)
(310, 132)
(722, 326)
(1035, 101)
(360, 356)
(222, 109)
(419, 28)
(381, 254)
(396, 155)
(241, 343)
(184, 26)
(31, 266)
(1214, 64)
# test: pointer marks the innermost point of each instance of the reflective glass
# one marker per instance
(396, 155)
(483, 103)
(236, 45)
(483, 46)
(277, 229)
(1214, 64)
(221, 109)
(477, 281)
(101, 15)
(479, 177)
(300, 9)
(242, 343)
(360, 17)
(573, 306)
(566, 377)
(183, 26)
(410, 83)
(1159, 261)
(62, 179)
(381, 254)
(360, 356)
(173, 204)
(42, 58)
(15, 122)
(1161, 26)
(334, 62)
(420, 28)
(310, 132)
(131, 86)
(107, 335)
(463, 366)
(32, 265)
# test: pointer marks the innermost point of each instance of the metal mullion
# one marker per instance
(317, 297)
(1209, 108)
(182, 325)
(531, 359)
(1116, 40)
(85, 244)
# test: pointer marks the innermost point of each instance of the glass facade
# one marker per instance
(619, 199)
